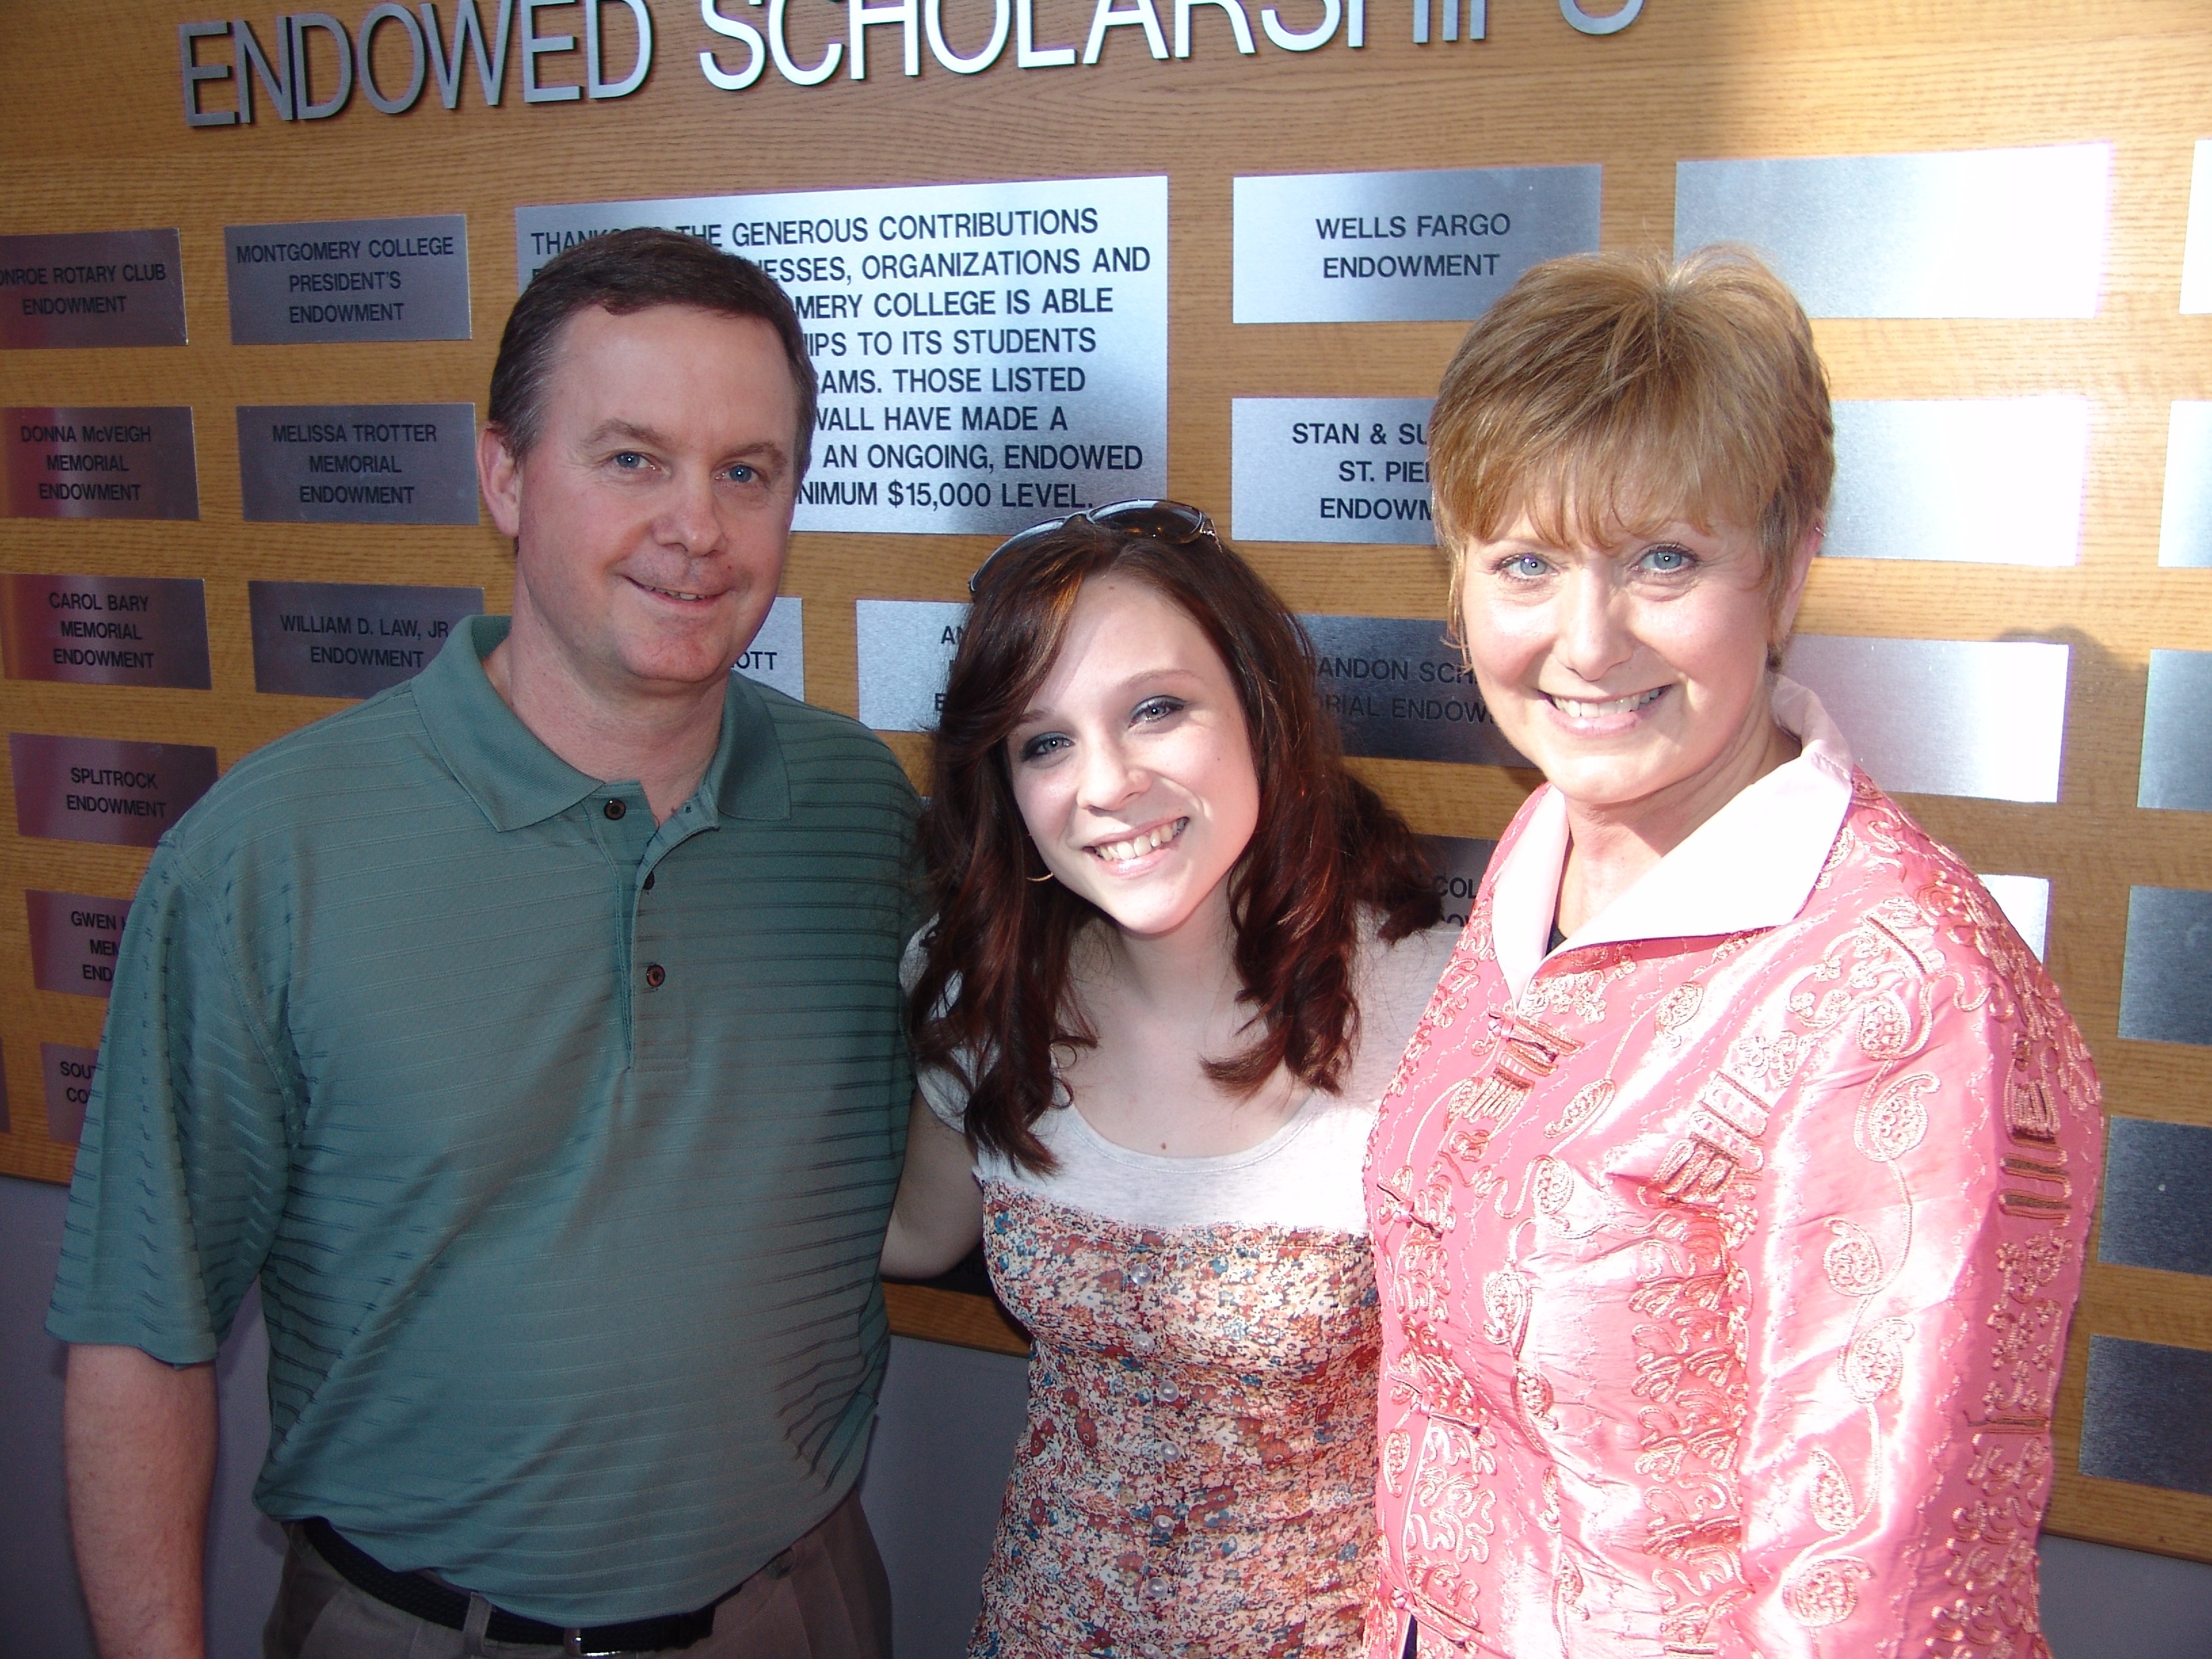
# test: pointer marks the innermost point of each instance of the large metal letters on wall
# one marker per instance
(1225, 258)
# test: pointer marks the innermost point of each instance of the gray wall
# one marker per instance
(947, 1429)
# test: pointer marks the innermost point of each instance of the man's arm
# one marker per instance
(138, 1440)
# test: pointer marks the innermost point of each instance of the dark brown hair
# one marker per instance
(993, 1003)
(621, 272)
(1612, 391)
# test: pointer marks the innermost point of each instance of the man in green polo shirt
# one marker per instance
(531, 1033)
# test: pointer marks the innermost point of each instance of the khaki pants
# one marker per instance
(834, 1602)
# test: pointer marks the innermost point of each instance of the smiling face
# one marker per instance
(1133, 767)
(651, 515)
(1633, 672)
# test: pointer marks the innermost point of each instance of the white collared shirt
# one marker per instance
(1752, 865)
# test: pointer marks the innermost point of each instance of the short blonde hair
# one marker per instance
(1607, 393)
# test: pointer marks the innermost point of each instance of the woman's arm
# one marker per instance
(1915, 1255)
(938, 1214)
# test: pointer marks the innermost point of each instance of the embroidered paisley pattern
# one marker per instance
(1883, 1110)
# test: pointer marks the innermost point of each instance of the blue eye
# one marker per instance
(741, 473)
(629, 460)
(1524, 565)
(1044, 743)
(1156, 709)
(1667, 559)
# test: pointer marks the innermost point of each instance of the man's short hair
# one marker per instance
(628, 271)
(1609, 392)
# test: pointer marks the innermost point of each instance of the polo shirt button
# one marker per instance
(615, 809)
(655, 976)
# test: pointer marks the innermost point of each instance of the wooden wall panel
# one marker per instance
(92, 133)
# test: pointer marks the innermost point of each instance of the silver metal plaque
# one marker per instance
(2158, 1196)
(2166, 981)
(358, 463)
(1398, 690)
(1460, 862)
(1944, 717)
(75, 938)
(68, 1088)
(1402, 247)
(349, 279)
(2196, 251)
(96, 288)
(777, 656)
(103, 790)
(79, 463)
(991, 356)
(2185, 527)
(2137, 1421)
(1350, 470)
(349, 639)
(906, 650)
(2176, 761)
(1985, 480)
(104, 631)
(2026, 902)
(1988, 233)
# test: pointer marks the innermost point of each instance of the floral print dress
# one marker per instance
(1197, 1480)
(1197, 1477)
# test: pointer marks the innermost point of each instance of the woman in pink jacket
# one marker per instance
(1728, 1207)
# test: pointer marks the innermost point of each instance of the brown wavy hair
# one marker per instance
(992, 1004)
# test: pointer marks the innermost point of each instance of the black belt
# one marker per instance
(437, 1603)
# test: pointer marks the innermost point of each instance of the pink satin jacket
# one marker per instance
(1726, 1252)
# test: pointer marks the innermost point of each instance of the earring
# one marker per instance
(1047, 876)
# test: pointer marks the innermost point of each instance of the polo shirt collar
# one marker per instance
(1750, 865)
(516, 780)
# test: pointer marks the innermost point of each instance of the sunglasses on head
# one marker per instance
(1172, 522)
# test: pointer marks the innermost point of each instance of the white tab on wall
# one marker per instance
(1991, 233)
(2184, 526)
(906, 649)
(1983, 480)
(2026, 902)
(2176, 764)
(1944, 717)
(2196, 251)
(777, 656)
(1353, 470)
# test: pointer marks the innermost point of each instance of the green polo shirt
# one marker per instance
(560, 1142)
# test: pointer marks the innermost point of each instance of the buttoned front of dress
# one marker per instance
(1726, 1251)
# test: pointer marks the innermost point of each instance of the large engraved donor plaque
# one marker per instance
(349, 279)
(101, 288)
(1330, 470)
(106, 631)
(66, 463)
(358, 463)
(990, 355)
(1402, 247)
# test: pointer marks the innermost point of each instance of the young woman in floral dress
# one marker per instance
(1176, 952)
